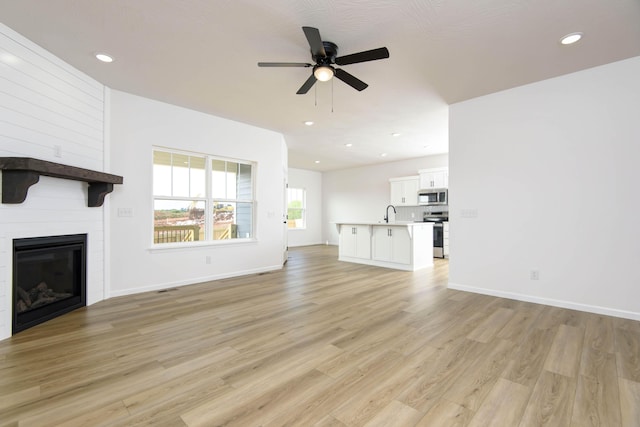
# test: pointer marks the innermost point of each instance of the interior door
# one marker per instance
(285, 231)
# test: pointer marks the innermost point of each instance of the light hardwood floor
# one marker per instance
(323, 343)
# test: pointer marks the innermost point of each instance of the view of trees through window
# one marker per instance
(199, 198)
(296, 210)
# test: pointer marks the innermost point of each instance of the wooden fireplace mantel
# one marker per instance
(20, 173)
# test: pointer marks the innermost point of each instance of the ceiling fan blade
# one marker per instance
(283, 64)
(307, 85)
(315, 41)
(352, 81)
(367, 55)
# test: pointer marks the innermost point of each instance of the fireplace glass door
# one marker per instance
(49, 278)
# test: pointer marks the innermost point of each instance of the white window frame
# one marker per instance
(303, 209)
(209, 201)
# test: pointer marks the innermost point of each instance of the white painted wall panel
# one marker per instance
(28, 114)
(19, 135)
(552, 171)
(138, 124)
(45, 103)
(37, 89)
(39, 65)
(34, 92)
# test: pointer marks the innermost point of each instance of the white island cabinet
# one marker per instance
(391, 243)
(400, 245)
(355, 241)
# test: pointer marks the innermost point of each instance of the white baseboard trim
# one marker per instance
(194, 281)
(386, 264)
(302, 245)
(548, 301)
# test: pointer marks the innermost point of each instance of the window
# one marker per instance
(296, 207)
(197, 197)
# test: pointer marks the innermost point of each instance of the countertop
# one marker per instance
(397, 223)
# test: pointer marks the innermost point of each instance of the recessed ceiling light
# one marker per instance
(308, 123)
(104, 57)
(317, 161)
(348, 145)
(383, 155)
(571, 38)
(396, 134)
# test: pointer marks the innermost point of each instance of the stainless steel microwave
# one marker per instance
(433, 196)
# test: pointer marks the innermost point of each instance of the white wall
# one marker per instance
(552, 170)
(46, 103)
(138, 124)
(311, 181)
(363, 193)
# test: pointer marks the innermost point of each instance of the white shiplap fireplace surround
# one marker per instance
(54, 113)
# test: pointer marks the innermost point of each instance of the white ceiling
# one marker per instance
(202, 54)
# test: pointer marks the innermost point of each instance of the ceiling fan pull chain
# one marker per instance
(332, 95)
(315, 95)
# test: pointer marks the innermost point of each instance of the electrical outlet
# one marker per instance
(535, 275)
(413, 215)
(207, 259)
(57, 150)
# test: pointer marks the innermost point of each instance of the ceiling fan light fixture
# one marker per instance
(323, 73)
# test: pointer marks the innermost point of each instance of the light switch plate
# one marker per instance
(125, 212)
(469, 213)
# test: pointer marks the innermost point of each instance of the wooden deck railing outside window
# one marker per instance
(176, 233)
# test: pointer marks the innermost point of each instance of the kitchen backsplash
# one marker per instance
(403, 213)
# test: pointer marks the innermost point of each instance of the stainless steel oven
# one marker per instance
(440, 217)
(438, 240)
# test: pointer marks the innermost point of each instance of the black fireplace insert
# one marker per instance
(49, 278)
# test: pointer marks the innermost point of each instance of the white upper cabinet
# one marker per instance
(434, 178)
(404, 191)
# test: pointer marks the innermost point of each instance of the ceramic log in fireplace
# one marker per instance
(49, 278)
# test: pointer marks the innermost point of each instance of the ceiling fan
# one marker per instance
(325, 56)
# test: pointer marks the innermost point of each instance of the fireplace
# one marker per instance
(49, 278)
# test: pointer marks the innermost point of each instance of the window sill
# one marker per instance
(297, 229)
(199, 245)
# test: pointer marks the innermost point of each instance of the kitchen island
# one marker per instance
(399, 245)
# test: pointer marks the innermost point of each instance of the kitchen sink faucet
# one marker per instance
(386, 217)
